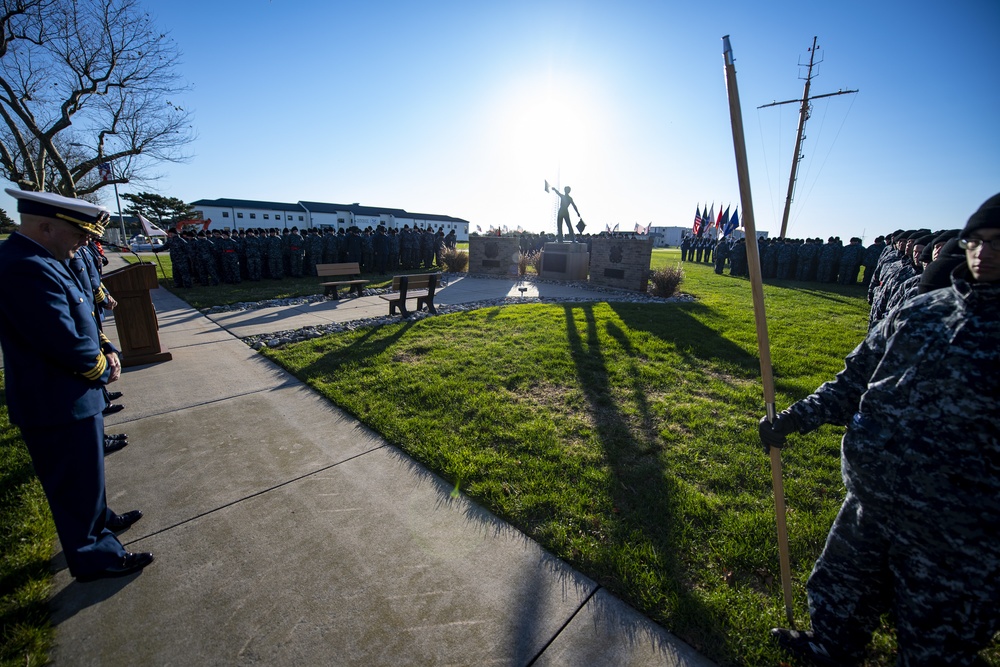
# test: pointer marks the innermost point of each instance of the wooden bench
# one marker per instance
(420, 287)
(347, 269)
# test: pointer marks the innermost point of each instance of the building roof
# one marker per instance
(435, 217)
(249, 203)
(324, 207)
(356, 209)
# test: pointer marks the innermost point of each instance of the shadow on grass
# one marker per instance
(369, 345)
(684, 326)
(644, 493)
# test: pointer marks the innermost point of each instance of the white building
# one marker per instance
(245, 213)
(664, 237)
(668, 236)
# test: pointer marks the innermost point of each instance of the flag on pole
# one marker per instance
(104, 169)
(697, 221)
(733, 223)
(615, 229)
(708, 219)
(721, 222)
(150, 229)
(607, 227)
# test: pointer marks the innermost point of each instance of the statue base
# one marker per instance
(565, 261)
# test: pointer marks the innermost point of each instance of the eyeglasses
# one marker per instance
(972, 244)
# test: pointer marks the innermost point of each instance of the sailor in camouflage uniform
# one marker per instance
(919, 531)
(870, 259)
(179, 261)
(252, 247)
(889, 255)
(330, 246)
(296, 253)
(893, 276)
(229, 252)
(850, 262)
(274, 252)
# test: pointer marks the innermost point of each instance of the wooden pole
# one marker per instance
(763, 343)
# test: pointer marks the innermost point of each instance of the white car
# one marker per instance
(147, 246)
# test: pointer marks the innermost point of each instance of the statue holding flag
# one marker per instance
(565, 201)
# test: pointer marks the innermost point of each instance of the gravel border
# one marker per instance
(280, 338)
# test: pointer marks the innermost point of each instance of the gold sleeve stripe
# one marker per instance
(101, 295)
(104, 339)
(95, 373)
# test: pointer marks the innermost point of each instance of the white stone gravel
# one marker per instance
(281, 338)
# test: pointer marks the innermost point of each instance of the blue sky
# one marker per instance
(465, 109)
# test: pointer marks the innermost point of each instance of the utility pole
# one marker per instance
(805, 109)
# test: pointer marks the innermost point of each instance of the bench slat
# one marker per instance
(347, 269)
(420, 287)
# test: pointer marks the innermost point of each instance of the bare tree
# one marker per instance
(85, 83)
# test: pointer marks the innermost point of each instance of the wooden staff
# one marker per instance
(763, 343)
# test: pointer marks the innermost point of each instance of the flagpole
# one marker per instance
(763, 343)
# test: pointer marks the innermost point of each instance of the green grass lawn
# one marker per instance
(621, 437)
(26, 539)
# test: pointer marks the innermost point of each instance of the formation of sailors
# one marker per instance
(913, 262)
(805, 260)
(896, 267)
(255, 253)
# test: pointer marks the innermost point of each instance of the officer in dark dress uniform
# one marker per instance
(56, 365)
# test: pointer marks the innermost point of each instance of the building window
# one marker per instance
(225, 214)
(253, 216)
(239, 215)
(265, 216)
(300, 218)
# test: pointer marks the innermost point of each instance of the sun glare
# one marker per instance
(545, 130)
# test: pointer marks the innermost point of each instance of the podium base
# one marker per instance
(148, 358)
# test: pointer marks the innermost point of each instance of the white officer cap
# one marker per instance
(91, 218)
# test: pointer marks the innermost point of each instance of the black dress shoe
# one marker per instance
(112, 446)
(130, 563)
(113, 408)
(123, 521)
(115, 436)
(114, 395)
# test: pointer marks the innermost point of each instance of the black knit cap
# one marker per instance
(938, 273)
(987, 217)
(947, 235)
(927, 254)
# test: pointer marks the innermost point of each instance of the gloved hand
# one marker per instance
(773, 434)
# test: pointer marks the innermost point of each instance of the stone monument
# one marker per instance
(621, 262)
(494, 255)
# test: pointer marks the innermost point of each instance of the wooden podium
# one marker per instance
(135, 317)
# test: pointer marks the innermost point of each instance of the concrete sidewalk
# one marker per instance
(287, 533)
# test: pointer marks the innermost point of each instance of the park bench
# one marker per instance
(420, 287)
(346, 269)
